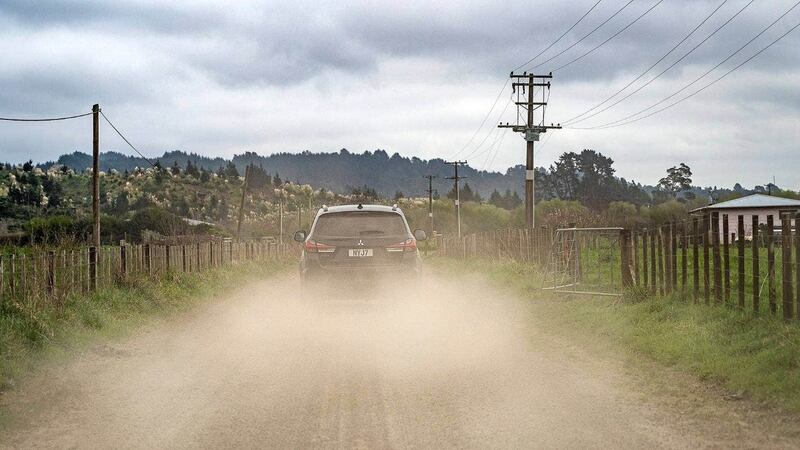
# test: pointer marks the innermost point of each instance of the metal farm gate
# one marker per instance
(587, 261)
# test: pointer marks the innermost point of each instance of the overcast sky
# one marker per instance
(411, 77)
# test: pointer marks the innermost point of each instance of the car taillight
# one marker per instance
(312, 246)
(409, 245)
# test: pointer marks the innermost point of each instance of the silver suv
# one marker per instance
(359, 239)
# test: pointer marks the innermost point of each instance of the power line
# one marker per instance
(584, 37)
(125, 139)
(712, 82)
(611, 37)
(475, 152)
(500, 94)
(649, 68)
(624, 119)
(51, 119)
(559, 38)
(493, 149)
(671, 65)
(483, 122)
(497, 151)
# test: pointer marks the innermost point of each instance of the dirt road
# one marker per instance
(455, 365)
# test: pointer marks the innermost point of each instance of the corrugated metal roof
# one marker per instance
(755, 201)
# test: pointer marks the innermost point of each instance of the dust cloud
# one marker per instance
(436, 362)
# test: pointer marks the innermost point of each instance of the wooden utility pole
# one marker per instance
(96, 176)
(524, 85)
(456, 179)
(430, 200)
(241, 205)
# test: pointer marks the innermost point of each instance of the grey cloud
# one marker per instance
(151, 56)
(285, 45)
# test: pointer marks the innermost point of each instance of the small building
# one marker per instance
(752, 205)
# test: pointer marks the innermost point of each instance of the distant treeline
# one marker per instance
(586, 176)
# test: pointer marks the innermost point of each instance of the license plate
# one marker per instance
(360, 252)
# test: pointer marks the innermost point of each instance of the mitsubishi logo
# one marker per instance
(360, 242)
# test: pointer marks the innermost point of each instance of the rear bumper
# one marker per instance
(342, 272)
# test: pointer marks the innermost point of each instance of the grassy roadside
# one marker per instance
(758, 357)
(29, 337)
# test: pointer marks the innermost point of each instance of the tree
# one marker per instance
(259, 178)
(191, 169)
(230, 171)
(175, 169)
(496, 199)
(514, 201)
(466, 194)
(587, 176)
(398, 195)
(678, 179)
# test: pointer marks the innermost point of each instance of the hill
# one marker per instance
(338, 172)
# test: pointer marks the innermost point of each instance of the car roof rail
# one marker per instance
(325, 208)
(394, 207)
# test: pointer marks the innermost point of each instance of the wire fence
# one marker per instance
(36, 278)
(524, 245)
(748, 262)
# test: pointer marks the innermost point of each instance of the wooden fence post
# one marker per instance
(2, 281)
(756, 269)
(684, 255)
(92, 268)
(660, 260)
(51, 273)
(197, 256)
(653, 272)
(167, 258)
(147, 261)
(645, 261)
(673, 231)
(797, 263)
(773, 306)
(123, 261)
(706, 260)
(740, 267)
(625, 258)
(183, 258)
(786, 260)
(635, 240)
(717, 257)
(696, 257)
(726, 260)
(211, 254)
(668, 259)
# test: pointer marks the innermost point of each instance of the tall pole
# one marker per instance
(96, 176)
(529, 168)
(456, 179)
(241, 205)
(430, 199)
(524, 85)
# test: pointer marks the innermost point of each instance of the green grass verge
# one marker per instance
(757, 356)
(28, 337)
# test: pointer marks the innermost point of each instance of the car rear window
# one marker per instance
(359, 224)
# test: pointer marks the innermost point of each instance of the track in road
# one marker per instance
(262, 368)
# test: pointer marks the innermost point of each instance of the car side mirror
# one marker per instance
(420, 235)
(300, 236)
